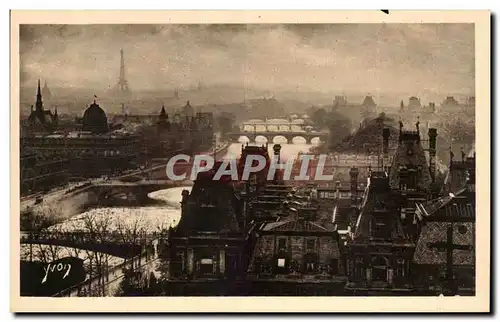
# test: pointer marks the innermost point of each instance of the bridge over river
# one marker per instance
(116, 243)
(270, 129)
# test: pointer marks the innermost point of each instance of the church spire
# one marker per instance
(39, 104)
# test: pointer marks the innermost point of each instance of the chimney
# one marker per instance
(277, 150)
(354, 172)
(185, 195)
(386, 133)
(278, 174)
(432, 152)
(337, 190)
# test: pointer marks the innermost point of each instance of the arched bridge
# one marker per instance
(271, 135)
(117, 244)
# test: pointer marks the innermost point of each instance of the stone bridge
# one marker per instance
(271, 135)
(125, 245)
(137, 190)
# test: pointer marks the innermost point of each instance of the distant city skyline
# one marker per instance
(342, 58)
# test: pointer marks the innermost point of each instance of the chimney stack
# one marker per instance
(386, 133)
(432, 152)
(277, 154)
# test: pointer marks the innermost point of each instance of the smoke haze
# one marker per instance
(391, 58)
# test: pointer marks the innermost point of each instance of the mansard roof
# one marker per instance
(373, 196)
(410, 154)
(210, 207)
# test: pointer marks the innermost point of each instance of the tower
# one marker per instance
(122, 85)
(39, 103)
(46, 91)
(386, 134)
(432, 153)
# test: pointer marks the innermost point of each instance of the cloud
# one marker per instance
(336, 57)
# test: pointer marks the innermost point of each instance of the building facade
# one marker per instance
(207, 253)
(90, 152)
(39, 173)
(379, 250)
(294, 257)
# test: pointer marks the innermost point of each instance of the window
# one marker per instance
(207, 261)
(311, 245)
(282, 257)
(334, 267)
(412, 179)
(206, 266)
(379, 269)
(380, 228)
(282, 245)
(359, 267)
(400, 267)
(178, 263)
(311, 257)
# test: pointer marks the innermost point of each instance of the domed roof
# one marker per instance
(95, 119)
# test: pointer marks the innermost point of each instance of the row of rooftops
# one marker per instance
(82, 135)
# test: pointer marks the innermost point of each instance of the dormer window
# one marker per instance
(412, 179)
(380, 228)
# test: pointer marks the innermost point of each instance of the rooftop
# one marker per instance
(84, 135)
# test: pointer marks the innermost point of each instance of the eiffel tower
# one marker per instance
(122, 85)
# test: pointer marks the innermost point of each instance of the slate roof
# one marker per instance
(410, 153)
(449, 206)
(375, 189)
(454, 210)
(434, 232)
(211, 206)
(369, 135)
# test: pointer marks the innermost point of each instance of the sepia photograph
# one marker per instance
(289, 157)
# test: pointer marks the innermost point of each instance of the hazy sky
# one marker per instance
(336, 57)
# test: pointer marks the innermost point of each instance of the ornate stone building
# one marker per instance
(297, 256)
(40, 120)
(39, 172)
(92, 152)
(186, 131)
(207, 251)
(95, 119)
(411, 174)
(379, 250)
